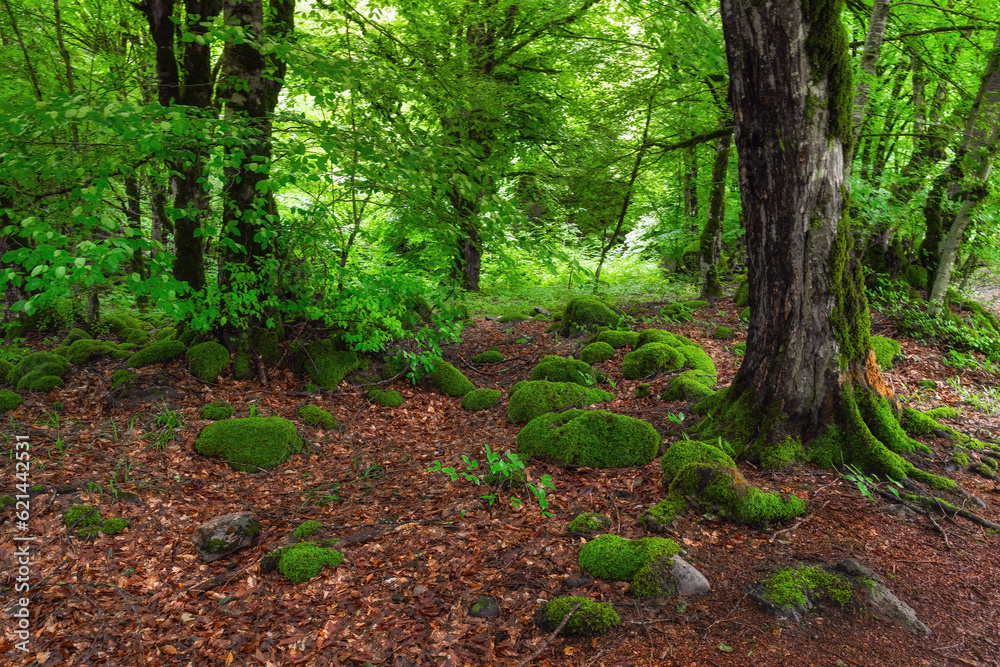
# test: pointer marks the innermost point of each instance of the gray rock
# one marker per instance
(226, 534)
(689, 580)
(543, 311)
(485, 606)
(880, 600)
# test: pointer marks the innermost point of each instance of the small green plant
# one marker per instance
(254, 410)
(505, 472)
(324, 494)
(985, 399)
(167, 422)
(678, 418)
(865, 483)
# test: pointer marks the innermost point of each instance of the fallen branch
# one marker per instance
(548, 641)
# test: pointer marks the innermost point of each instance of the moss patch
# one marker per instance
(615, 338)
(660, 517)
(317, 416)
(589, 620)
(480, 399)
(250, 444)
(301, 562)
(157, 352)
(886, 349)
(207, 360)
(585, 313)
(266, 343)
(686, 452)
(792, 586)
(217, 410)
(554, 368)
(387, 399)
(944, 412)
(450, 380)
(593, 438)
(723, 333)
(113, 526)
(727, 492)
(9, 400)
(740, 349)
(241, 365)
(121, 377)
(651, 358)
(324, 363)
(534, 398)
(595, 352)
(589, 522)
(87, 349)
(490, 356)
(643, 390)
(306, 529)
(686, 387)
(643, 562)
(39, 371)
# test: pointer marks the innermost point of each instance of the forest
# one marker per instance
(459, 332)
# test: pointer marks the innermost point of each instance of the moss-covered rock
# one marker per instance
(531, 399)
(593, 438)
(120, 377)
(886, 350)
(480, 399)
(647, 336)
(241, 365)
(39, 371)
(5, 368)
(723, 333)
(317, 416)
(643, 390)
(306, 528)
(450, 380)
(615, 338)
(686, 387)
(266, 342)
(742, 296)
(586, 313)
(800, 585)
(701, 365)
(589, 523)
(324, 363)
(640, 562)
(726, 491)
(88, 349)
(554, 368)
(490, 356)
(589, 620)
(9, 400)
(157, 352)
(305, 560)
(73, 336)
(207, 360)
(387, 399)
(660, 517)
(651, 358)
(166, 333)
(128, 328)
(596, 352)
(512, 317)
(113, 525)
(250, 444)
(686, 452)
(217, 410)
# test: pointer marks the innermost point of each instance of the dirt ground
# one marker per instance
(419, 549)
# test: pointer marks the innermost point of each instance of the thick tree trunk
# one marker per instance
(711, 236)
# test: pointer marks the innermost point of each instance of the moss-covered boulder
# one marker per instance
(39, 371)
(686, 452)
(589, 523)
(593, 438)
(305, 560)
(490, 356)
(324, 363)
(9, 400)
(157, 352)
(266, 342)
(87, 349)
(595, 352)
(73, 336)
(217, 410)
(660, 336)
(533, 398)
(589, 620)
(5, 368)
(128, 328)
(701, 365)
(615, 338)
(886, 350)
(586, 313)
(251, 444)
(647, 563)
(554, 368)
(651, 358)
(318, 417)
(742, 296)
(450, 380)
(725, 491)
(120, 377)
(226, 534)
(387, 399)
(480, 399)
(241, 365)
(207, 360)
(686, 387)
(723, 333)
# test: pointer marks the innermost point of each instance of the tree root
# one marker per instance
(916, 508)
(945, 508)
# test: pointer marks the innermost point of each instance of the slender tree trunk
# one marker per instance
(710, 245)
(867, 71)
(134, 217)
(691, 187)
(24, 51)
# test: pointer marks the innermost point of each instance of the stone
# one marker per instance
(226, 534)
(690, 581)
(881, 601)
(485, 606)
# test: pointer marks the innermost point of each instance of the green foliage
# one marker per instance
(593, 438)
(39, 371)
(305, 560)
(450, 380)
(886, 350)
(533, 398)
(481, 399)
(157, 352)
(505, 472)
(490, 356)
(589, 620)
(387, 399)
(217, 410)
(250, 444)
(306, 529)
(8, 400)
(317, 416)
(589, 523)
(596, 352)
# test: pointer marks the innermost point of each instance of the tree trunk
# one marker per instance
(808, 370)
(134, 217)
(710, 244)
(691, 187)
(869, 62)
(968, 175)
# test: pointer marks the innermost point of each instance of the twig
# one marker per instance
(548, 641)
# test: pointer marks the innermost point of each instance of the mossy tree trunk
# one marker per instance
(808, 369)
(710, 244)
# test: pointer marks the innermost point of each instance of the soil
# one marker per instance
(420, 549)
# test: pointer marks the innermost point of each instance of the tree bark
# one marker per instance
(867, 69)
(710, 245)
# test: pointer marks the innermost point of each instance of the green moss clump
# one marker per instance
(651, 358)
(886, 349)
(928, 384)
(781, 454)
(554, 368)
(589, 620)
(207, 360)
(641, 562)
(450, 380)
(8, 400)
(740, 349)
(73, 336)
(6, 502)
(686, 386)
(724, 333)
(241, 365)
(791, 586)
(39, 371)
(596, 352)
(944, 412)
(531, 399)
(658, 336)
(250, 444)
(5, 368)
(480, 399)
(742, 296)
(585, 313)
(827, 46)
(87, 519)
(589, 522)
(113, 526)
(512, 317)
(728, 492)
(166, 333)
(87, 349)
(960, 459)
(306, 529)
(702, 366)
(387, 399)
(311, 388)
(217, 410)
(918, 423)
(643, 390)
(317, 416)
(305, 560)
(490, 356)
(686, 452)
(154, 353)
(593, 438)
(660, 516)
(126, 327)
(325, 364)
(266, 342)
(744, 314)
(615, 338)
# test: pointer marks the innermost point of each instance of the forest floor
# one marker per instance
(419, 549)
